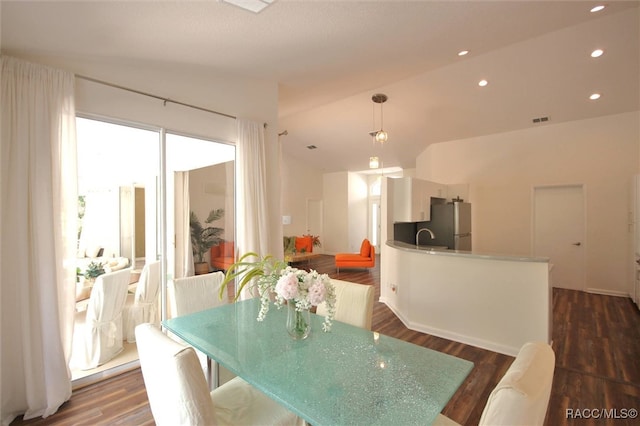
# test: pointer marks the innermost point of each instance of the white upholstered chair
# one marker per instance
(178, 393)
(354, 304)
(98, 330)
(522, 395)
(194, 294)
(143, 305)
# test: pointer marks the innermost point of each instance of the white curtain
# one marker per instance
(38, 228)
(253, 220)
(184, 252)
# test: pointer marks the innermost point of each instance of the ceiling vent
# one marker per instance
(540, 119)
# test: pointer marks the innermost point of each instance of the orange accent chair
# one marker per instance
(222, 255)
(366, 258)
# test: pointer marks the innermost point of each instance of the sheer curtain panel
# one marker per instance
(253, 223)
(38, 220)
(184, 251)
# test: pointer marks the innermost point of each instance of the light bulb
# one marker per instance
(382, 136)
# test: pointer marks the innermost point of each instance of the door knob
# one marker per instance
(577, 244)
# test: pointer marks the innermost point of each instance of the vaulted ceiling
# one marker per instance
(330, 57)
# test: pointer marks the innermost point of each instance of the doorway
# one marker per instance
(128, 209)
(559, 233)
(374, 215)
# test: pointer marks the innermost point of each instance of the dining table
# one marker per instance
(347, 376)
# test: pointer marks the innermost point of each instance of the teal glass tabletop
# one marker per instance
(348, 376)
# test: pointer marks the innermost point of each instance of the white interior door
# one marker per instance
(314, 220)
(559, 233)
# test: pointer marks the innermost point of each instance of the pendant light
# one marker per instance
(374, 162)
(380, 135)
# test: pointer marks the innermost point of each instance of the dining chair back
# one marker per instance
(197, 293)
(98, 329)
(522, 395)
(143, 305)
(178, 393)
(354, 304)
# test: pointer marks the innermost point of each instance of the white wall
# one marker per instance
(502, 169)
(336, 212)
(300, 182)
(345, 211)
(252, 99)
(358, 216)
(345, 204)
(208, 188)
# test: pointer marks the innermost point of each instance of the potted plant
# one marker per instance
(204, 237)
(93, 271)
(315, 239)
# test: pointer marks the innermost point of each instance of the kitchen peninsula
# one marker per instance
(496, 302)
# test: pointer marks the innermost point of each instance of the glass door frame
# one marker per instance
(161, 231)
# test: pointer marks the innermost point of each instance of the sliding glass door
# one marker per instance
(138, 187)
(200, 179)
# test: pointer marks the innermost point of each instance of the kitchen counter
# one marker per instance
(493, 301)
(443, 251)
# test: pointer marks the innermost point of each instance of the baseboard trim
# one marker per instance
(606, 292)
(103, 375)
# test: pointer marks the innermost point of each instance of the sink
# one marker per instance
(428, 247)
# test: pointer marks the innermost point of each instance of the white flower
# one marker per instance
(305, 289)
(287, 286)
(317, 293)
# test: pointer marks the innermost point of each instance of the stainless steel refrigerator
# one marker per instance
(451, 224)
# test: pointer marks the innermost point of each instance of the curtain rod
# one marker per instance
(165, 100)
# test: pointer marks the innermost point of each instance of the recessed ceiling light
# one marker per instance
(463, 52)
(594, 96)
(597, 53)
(597, 8)
(255, 6)
(483, 83)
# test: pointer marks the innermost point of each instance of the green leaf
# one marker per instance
(245, 270)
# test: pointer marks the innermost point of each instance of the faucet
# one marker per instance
(424, 229)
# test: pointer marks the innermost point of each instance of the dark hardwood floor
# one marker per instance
(596, 340)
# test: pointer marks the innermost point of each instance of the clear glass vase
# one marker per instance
(298, 322)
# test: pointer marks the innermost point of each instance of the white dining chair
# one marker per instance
(194, 294)
(522, 395)
(98, 329)
(354, 304)
(178, 393)
(143, 305)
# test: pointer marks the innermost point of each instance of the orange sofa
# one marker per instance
(222, 255)
(366, 258)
